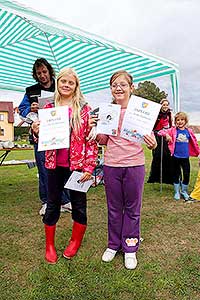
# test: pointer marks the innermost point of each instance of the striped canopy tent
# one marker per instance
(26, 35)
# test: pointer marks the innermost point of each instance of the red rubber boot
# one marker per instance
(78, 232)
(50, 255)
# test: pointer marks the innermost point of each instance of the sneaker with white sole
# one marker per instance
(66, 207)
(108, 255)
(130, 260)
(42, 209)
(191, 200)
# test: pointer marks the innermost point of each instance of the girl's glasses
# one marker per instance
(122, 85)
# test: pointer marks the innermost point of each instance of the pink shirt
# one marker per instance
(121, 152)
(62, 157)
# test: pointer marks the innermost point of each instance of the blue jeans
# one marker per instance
(42, 171)
(43, 178)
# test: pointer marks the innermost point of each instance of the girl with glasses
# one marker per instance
(124, 173)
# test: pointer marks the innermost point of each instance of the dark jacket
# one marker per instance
(31, 95)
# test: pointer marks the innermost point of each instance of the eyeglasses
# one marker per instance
(122, 85)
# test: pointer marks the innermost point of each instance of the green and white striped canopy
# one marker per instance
(26, 35)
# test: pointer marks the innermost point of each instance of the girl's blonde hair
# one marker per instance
(181, 115)
(77, 99)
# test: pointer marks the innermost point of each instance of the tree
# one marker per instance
(149, 90)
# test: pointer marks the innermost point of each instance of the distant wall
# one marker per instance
(8, 129)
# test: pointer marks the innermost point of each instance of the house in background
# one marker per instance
(6, 121)
(196, 130)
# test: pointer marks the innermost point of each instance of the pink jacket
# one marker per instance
(83, 153)
(193, 144)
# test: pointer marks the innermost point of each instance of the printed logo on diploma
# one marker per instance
(139, 119)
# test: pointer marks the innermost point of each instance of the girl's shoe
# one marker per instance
(108, 255)
(50, 254)
(130, 260)
(184, 191)
(78, 232)
(43, 209)
(177, 191)
(67, 207)
(191, 200)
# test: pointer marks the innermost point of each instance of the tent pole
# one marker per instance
(161, 164)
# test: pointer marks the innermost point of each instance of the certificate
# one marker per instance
(74, 183)
(54, 128)
(108, 119)
(139, 119)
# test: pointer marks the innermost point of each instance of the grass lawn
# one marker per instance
(168, 258)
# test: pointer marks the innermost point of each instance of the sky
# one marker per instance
(169, 29)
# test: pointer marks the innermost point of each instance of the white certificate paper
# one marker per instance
(54, 128)
(73, 182)
(108, 118)
(139, 119)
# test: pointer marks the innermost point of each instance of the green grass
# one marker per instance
(168, 258)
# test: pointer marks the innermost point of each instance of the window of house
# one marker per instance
(1, 131)
(1, 117)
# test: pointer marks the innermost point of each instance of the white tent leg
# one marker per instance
(161, 163)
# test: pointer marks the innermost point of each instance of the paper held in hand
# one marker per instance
(139, 119)
(54, 128)
(45, 98)
(108, 118)
(74, 183)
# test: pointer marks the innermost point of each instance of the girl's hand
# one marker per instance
(92, 123)
(35, 127)
(86, 176)
(34, 107)
(168, 138)
(93, 120)
(92, 135)
(150, 141)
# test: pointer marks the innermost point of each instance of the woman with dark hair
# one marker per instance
(162, 173)
(42, 62)
(44, 74)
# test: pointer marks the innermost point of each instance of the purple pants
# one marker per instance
(124, 188)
